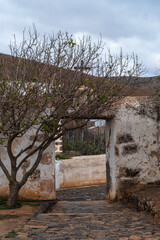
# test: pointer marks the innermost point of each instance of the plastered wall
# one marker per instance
(81, 171)
(136, 137)
(40, 184)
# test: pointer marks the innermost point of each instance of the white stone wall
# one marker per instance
(136, 143)
(80, 171)
(40, 184)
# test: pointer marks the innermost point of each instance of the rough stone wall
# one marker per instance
(40, 184)
(81, 171)
(136, 143)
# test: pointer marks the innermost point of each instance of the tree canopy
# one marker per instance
(49, 82)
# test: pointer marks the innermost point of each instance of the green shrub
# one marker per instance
(82, 147)
(62, 156)
(11, 234)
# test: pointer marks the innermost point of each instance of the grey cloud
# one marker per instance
(111, 18)
(114, 19)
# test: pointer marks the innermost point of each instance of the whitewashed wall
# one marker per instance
(40, 184)
(136, 137)
(80, 171)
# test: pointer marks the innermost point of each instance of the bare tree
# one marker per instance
(47, 84)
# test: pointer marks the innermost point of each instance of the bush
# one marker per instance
(82, 147)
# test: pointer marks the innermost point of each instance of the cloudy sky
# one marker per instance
(132, 25)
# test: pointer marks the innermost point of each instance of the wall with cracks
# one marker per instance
(40, 184)
(136, 142)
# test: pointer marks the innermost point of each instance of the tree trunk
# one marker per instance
(13, 194)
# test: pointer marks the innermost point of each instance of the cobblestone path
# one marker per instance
(82, 193)
(96, 219)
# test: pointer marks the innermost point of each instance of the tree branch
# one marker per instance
(5, 170)
(35, 165)
(31, 145)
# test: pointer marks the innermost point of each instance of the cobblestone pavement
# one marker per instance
(90, 219)
(83, 193)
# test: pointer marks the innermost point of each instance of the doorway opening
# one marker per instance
(80, 169)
